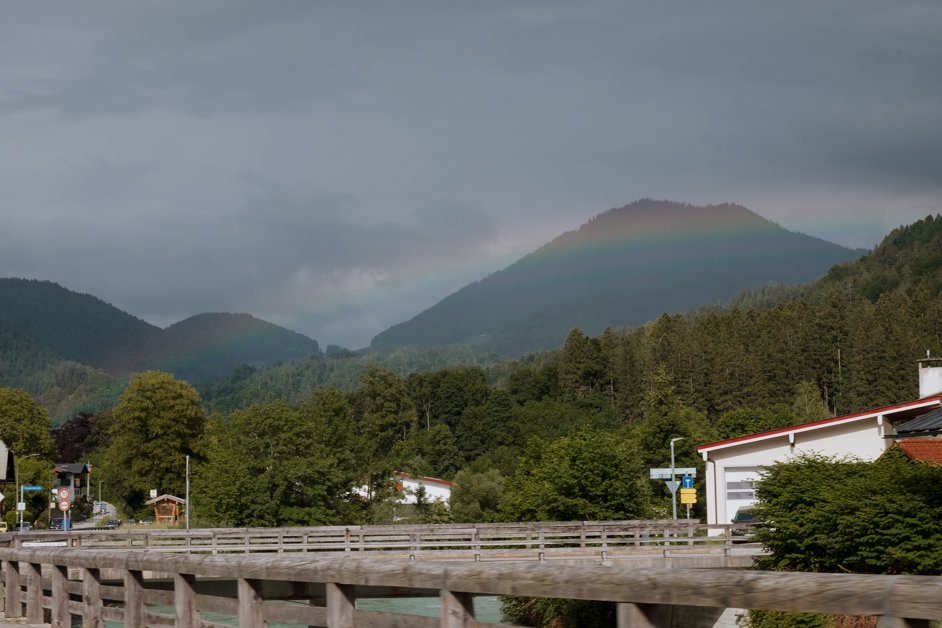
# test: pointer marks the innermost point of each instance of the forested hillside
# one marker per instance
(63, 387)
(77, 327)
(72, 351)
(208, 346)
(853, 336)
(623, 267)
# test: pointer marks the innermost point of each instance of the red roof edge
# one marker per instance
(836, 419)
(403, 474)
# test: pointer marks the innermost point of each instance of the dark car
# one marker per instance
(22, 527)
(746, 517)
(111, 524)
(55, 524)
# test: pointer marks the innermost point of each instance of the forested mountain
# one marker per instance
(67, 348)
(77, 327)
(208, 346)
(623, 267)
(852, 336)
(61, 386)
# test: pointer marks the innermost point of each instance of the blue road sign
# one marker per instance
(31, 487)
(686, 482)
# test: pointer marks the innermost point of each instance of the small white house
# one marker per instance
(436, 490)
(408, 485)
(733, 466)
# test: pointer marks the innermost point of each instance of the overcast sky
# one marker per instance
(338, 167)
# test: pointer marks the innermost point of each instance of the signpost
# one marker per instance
(665, 473)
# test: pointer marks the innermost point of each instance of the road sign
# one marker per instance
(672, 486)
(665, 474)
(31, 487)
(64, 492)
(688, 496)
(64, 505)
(686, 481)
(21, 506)
(2, 497)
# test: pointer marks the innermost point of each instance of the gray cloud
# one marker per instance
(336, 168)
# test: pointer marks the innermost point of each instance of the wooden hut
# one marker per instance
(167, 509)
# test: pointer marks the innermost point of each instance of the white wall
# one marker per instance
(730, 468)
(433, 490)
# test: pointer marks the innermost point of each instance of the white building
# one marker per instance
(407, 488)
(435, 489)
(734, 465)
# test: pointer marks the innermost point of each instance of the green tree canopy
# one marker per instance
(158, 420)
(586, 475)
(268, 465)
(24, 425)
(833, 515)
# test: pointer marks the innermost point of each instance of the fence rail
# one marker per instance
(316, 591)
(536, 541)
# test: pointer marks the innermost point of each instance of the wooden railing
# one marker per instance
(317, 591)
(532, 541)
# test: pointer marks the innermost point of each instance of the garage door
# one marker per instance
(740, 489)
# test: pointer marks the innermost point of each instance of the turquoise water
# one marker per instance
(486, 609)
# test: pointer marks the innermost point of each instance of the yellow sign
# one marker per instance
(688, 496)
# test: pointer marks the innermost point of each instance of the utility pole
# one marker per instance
(673, 483)
(187, 511)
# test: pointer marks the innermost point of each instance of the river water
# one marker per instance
(486, 609)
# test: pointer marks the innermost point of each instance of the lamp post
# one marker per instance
(673, 484)
(19, 487)
(187, 510)
(99, 493)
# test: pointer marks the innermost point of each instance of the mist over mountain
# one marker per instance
(623, 267)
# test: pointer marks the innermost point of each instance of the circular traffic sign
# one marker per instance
(64, 493)
(64, 505)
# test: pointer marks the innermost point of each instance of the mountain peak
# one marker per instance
(623, 267)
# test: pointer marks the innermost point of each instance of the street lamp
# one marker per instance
(674, 484)
(19, 487)
(99, 493)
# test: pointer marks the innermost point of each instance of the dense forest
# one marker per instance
(548, 425)
(563, 435)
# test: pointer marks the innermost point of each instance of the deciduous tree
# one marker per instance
(158, 421)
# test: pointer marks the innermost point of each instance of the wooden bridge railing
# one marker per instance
(317, 591)
(538, 541)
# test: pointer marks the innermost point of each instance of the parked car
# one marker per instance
(22, 527)
(747, 517)
(55, 524)
(111, 524)
(4, 527)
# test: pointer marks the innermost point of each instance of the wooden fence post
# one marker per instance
(457, 610)
(34, 593)
(91, 597)
(133, 599)
(341, 605)
(251, 610)
(184, 600)
(11, 580)
(60, 597)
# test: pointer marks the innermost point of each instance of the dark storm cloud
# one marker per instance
(339, 167)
